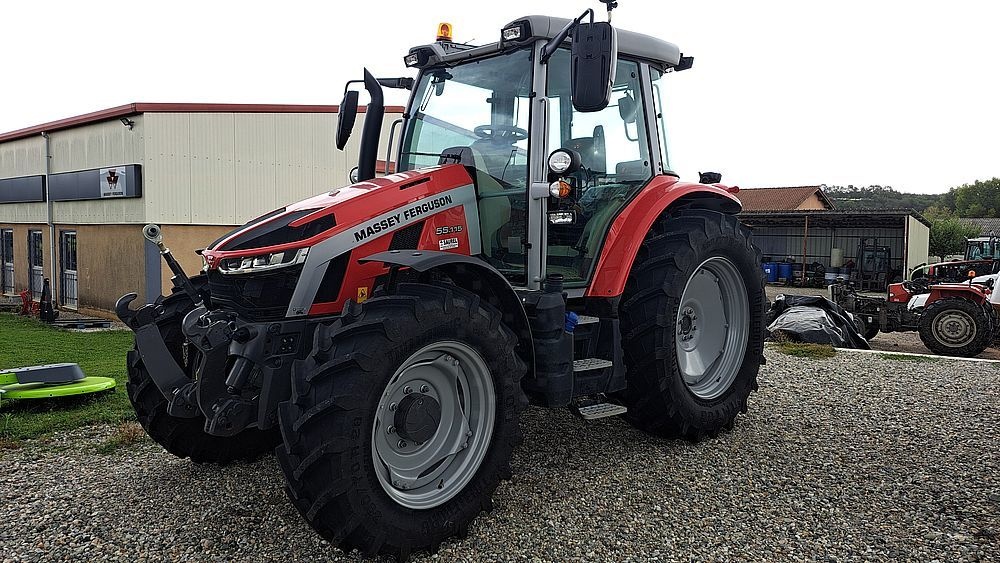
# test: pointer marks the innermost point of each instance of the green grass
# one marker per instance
(125, 434)
(26, 342)
(803, 350)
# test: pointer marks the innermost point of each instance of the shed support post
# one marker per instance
(805, 249)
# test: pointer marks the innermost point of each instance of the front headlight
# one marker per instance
(263, 262)
(560, 161)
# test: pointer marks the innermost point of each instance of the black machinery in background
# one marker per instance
(873, 265)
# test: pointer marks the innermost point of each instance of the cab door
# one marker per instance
(617, 161)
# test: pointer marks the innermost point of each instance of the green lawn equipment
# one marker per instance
(48, 381)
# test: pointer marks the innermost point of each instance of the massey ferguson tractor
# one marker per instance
(533, 247)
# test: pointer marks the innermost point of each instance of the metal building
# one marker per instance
(820, 236)
(75, 193)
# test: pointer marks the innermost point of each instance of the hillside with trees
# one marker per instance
(978, 199)
(878, 197)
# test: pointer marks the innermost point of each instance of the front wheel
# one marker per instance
(692, 325)
(403, 420)
(956, 327)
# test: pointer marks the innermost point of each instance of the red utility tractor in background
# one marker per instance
(953, 319)
(982, 255)
(533, 247)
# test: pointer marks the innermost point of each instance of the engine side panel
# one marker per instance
(630, 227)
(447, 230)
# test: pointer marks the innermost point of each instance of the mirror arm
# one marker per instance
(550, 48)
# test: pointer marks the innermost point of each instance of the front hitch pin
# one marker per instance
(154, 234)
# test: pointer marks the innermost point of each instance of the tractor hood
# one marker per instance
(385, 203)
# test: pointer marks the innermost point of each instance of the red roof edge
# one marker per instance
(137, 108)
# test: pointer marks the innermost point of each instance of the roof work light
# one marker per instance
(444, 32)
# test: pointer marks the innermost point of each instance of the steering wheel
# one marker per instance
(496, 133)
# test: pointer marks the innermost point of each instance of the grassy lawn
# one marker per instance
(26, 342)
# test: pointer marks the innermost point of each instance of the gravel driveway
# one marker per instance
(855, 457)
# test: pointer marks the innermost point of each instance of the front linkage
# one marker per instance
(240, 368)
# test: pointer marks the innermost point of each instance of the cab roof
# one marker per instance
(630, 43)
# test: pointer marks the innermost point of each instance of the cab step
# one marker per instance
(600, 410)
(586, 320)
(589, 364)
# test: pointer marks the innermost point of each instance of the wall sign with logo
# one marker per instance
(98, 183)
(113, 182)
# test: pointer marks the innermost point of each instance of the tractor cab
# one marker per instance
(558, 135)
(982, 248)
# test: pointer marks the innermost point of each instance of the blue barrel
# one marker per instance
(771, 271)
(784, 270)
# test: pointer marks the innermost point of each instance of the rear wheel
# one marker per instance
(692, 325)
(403, 420)
(185, 437)
(956, 327)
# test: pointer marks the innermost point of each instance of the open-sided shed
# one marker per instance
(808, 236)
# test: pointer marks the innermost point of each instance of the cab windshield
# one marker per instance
(983, 250)
(475, 113)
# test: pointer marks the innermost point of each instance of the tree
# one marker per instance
(978, 199)
(948, 236)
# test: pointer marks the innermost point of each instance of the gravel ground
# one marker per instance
(857, 457)
(889, 342)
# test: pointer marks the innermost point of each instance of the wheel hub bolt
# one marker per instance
(390, 430)
(401, 444)
(424, 388)
(407, 390)
(392, 406)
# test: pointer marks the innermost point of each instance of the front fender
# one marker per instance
(477, 276)
(629, 229)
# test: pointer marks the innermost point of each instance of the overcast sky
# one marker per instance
(790, 92)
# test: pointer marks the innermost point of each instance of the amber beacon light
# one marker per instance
(444, 32)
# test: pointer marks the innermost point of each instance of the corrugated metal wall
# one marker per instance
(97, 145)
(780, 243)
(23, 157)
(226, 168)
(919, 245)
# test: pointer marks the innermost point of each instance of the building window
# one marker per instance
(7, 261)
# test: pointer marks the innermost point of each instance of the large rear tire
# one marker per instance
(692, 318)
(402, 420)
(185, 437)
(956, 327)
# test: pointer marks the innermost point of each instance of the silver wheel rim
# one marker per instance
(954, 328)
(425, 467)
(712, 327)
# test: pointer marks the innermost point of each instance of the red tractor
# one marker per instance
(533, 247)
(953, 319)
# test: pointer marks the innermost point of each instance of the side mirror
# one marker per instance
(593, 60)
(346, 116)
